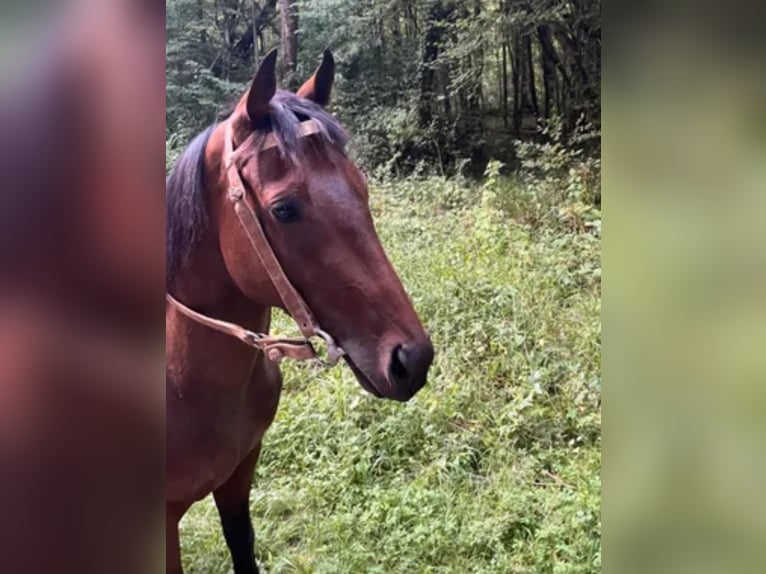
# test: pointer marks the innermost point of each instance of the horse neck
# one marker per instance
(205, 285)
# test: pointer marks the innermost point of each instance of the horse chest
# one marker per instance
(211, 429)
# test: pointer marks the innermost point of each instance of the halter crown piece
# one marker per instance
(275, 348)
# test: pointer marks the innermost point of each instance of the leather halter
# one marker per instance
(276, 348)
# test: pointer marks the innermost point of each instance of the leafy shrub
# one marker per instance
(556, 184)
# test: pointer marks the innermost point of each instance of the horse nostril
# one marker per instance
(408, 367)
(398, 363)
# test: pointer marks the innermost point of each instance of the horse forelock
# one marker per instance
(286, 112)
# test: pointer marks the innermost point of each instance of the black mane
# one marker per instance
(185, 198)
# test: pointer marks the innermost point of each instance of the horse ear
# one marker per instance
(263, 88)
(319, 86)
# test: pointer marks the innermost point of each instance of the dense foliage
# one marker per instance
(435, 85)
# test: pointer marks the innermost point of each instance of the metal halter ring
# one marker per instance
(334, 352)
(252, 338)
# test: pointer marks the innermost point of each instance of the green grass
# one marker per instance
(495, 466)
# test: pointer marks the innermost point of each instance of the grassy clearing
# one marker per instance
(495, 466)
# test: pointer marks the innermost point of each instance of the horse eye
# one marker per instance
(286, 212)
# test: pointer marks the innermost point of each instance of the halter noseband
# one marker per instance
(276, 348)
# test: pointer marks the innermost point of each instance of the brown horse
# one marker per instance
(310, 202)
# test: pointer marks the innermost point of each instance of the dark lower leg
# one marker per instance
(238, 531)
(233, 502)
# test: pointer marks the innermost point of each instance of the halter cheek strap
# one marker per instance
(275, 348)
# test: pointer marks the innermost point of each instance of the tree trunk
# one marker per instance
(396, 30)
(517, 63)
(549, 78)
(531, 74)
(564, 88)
(288, 20)
(477, 63)
(506, 50)
(549, 51)
(434, 31)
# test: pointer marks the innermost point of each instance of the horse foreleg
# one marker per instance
(233, 502)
